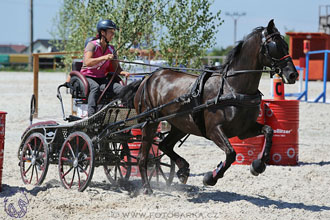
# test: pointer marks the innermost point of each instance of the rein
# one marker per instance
(236, 72)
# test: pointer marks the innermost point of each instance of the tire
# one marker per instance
(77, 158)
(34, 159)
(118, 168)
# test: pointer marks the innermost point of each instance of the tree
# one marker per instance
(190, 29)
(180, 30)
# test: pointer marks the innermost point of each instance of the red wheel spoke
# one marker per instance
(163, 174)
(83, 170)
(157, 174)
(65, 159)
(151, 174)
(31, 175)
(74, 172)
(78, 178)
(119, 170)
(165, 164)
(77, 145)
(115, 172)
(30, 148)
(69, 146)
(84, 147)
(39, 148)
(35, 143)
(25, 172)
(36, 173)
(63, 175)
(87, 158)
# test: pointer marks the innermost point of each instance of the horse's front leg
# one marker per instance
(148, 133)
(258, 166)
(220, 139)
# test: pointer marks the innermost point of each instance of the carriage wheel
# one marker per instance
(34, 159)
(161, 168)
(120, 159)
(76, 161)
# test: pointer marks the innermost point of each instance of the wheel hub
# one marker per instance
(33, 161)
(75, 162)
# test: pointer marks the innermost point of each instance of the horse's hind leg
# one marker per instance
(167, 146)
(148, 134)
(220, 139)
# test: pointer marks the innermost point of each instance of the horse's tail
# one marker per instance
(127, 93)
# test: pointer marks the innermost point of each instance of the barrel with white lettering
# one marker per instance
(283, 117)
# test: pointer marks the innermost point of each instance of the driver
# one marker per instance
(98, 64)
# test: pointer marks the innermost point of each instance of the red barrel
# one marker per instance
(2, 142)
(135, 148)
(283, 117)
(248, 149)
(284, 154)
(246, 153)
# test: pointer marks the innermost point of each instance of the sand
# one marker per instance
(281, 192)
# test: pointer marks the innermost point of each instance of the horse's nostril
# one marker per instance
(293, 75)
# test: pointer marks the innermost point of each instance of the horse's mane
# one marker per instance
(233, 54)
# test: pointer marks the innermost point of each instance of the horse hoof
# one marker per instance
(253, 172)
(208, 179)
(183, 175)
(147, 191)
(257, 167)
(183, 179)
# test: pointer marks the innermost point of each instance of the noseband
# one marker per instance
(268, 46)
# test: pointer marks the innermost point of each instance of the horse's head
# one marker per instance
(275, 54)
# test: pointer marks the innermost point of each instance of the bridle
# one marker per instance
(268, 47)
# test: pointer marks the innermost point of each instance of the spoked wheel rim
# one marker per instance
(120, 160)
(161, 168)
(76, 161)
(34, 159)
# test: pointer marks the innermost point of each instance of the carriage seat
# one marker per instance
(79, 84)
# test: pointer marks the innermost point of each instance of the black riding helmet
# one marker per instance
(105, 24)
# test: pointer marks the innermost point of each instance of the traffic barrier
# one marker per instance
(2, 142)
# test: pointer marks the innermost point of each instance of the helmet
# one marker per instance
(105, 24)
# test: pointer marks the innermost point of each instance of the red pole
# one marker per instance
(2, 142)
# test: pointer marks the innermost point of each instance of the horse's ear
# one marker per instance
(270, 27)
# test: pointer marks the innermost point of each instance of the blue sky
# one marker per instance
(296, 15)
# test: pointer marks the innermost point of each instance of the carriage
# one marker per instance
(217, 104)
(110, 139)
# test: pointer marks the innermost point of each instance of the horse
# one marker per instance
(234, 87)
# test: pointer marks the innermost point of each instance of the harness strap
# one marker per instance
(197, 98)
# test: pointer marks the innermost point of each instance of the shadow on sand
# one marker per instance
(260, 201)
(9, 191)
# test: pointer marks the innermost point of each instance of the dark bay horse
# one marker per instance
(264, 47)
